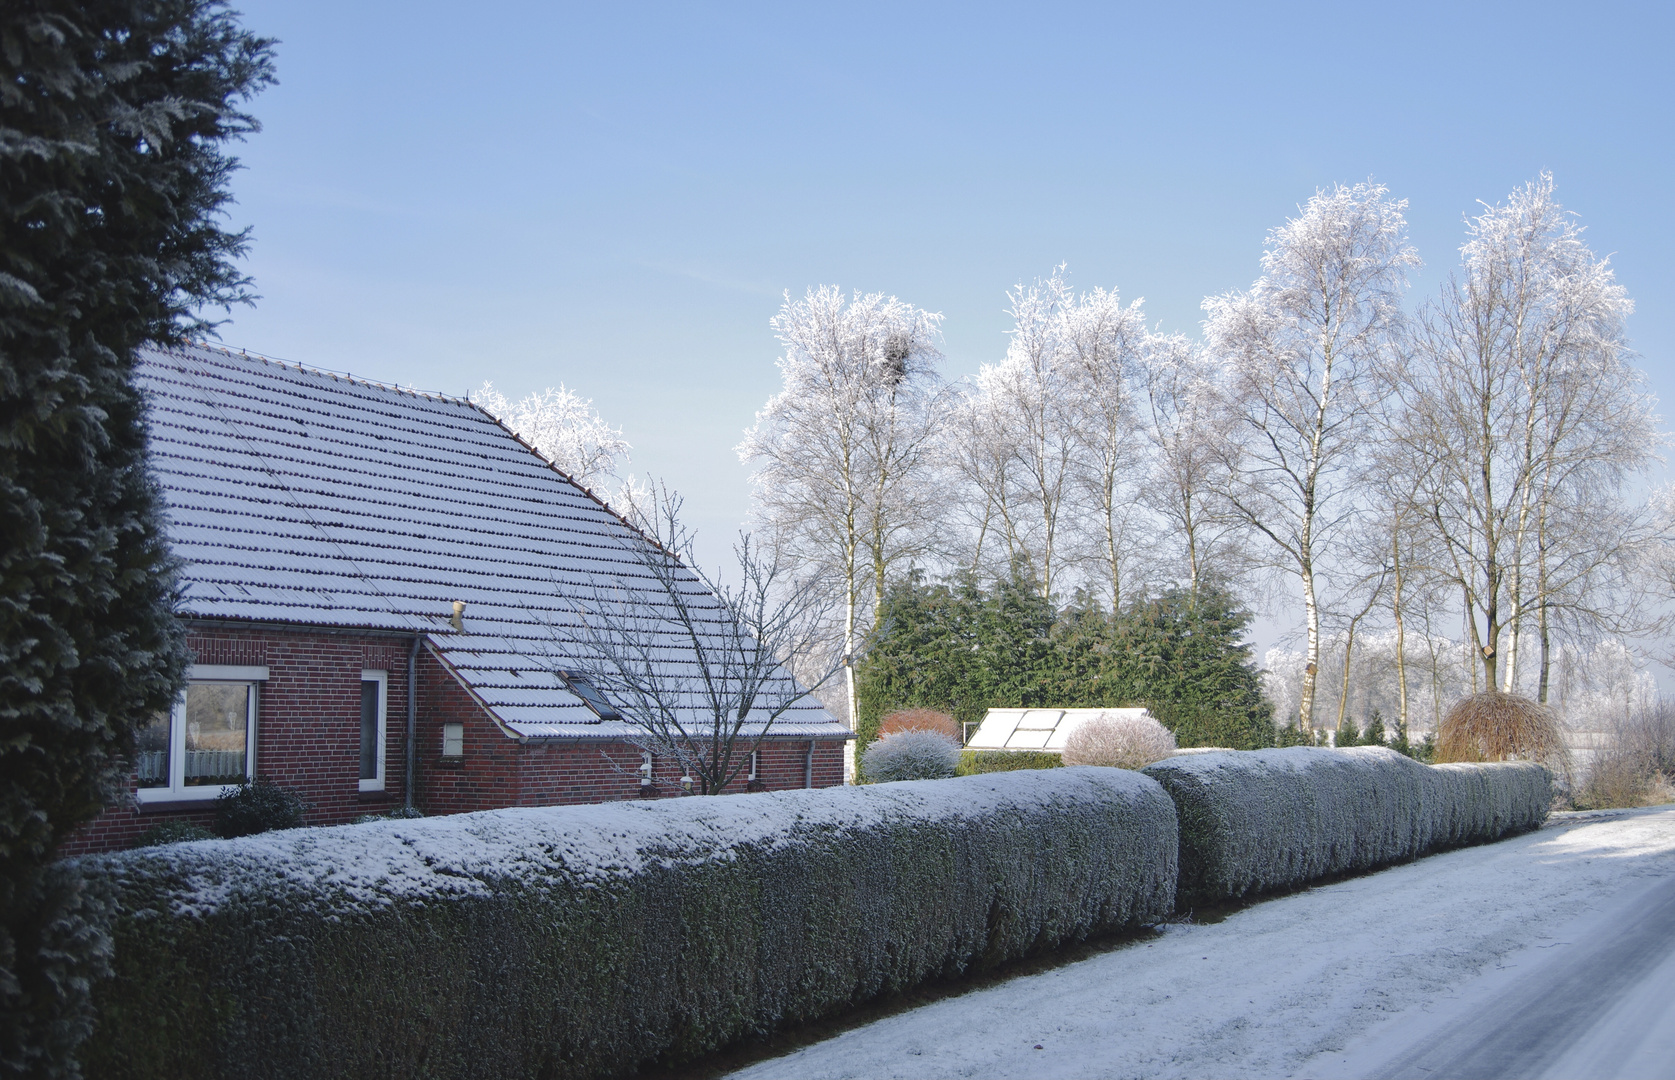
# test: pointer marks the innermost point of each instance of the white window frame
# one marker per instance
(753, 764)
(382, 678)
(177, 790)
(453, 757)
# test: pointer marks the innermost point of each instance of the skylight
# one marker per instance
(590, 695)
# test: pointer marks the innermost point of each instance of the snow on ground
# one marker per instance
(1284, 987)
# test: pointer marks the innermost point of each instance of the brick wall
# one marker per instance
(308, 740)
(308, 728)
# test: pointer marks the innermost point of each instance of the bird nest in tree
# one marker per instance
(1494, 726)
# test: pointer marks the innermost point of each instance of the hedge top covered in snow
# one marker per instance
(1253, 821)
(576, 941)
(465, 854)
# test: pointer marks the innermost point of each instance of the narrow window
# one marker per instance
(374, 689)
(453, 740)
(753, 764)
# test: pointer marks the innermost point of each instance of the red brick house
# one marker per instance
(371, 581)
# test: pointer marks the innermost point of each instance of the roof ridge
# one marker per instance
(247, 354)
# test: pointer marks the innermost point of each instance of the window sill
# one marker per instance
(175, 798)
(451, 762)
(157, 806)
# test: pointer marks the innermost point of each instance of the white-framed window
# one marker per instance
(754, 763)
(375, 701)
(453, 740)
(207, 742)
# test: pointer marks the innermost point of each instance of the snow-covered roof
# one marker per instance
(297, 496)
(1035, 729)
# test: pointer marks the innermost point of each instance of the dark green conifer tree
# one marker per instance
(114, 123)
(965, 649)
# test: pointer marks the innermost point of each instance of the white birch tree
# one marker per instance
(1297, 350)
(1048, 437)
(1180, 422)
(843, 452)
(1524, 413)
(1104, 347)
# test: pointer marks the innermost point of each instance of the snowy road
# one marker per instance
(1549, 954)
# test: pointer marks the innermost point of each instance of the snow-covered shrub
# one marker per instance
(920, 720)
(1270, 819)
(586, 940)
(913, 754)
(1120, 741)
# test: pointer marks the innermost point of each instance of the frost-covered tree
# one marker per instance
(1180, 422)
(1297, 351)
(843, 452)
(709, 711)
(114, 124)
(1048, 441)
(1525, 418)
(977, 456)
(568, 432)
(1030, 400)
(1105, 347)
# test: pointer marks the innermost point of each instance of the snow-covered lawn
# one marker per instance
(1315, 983)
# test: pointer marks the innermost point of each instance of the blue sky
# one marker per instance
(615, 197)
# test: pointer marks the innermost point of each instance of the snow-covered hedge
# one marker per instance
(575, 941)
(1253, 821)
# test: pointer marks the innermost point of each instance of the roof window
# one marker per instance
(590, 695)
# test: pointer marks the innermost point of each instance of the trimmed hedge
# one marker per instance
(575, 941)
(1260, 820)
(977, 762)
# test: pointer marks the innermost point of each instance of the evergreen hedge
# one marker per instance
(576, 941)
(974, 762)
(1271, 819)
(115, 120)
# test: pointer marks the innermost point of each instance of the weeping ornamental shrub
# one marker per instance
(590, 940)
(1115, 740)
(921, 720)
(914, 754)
(1493, 726)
